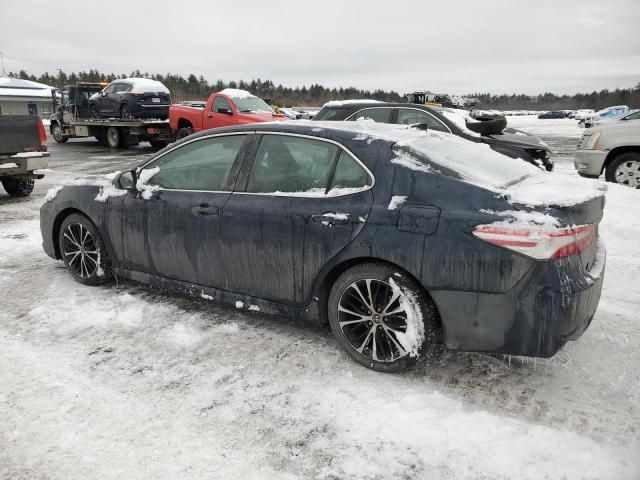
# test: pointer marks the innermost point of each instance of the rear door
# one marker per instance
(300, 202)
(185, 200)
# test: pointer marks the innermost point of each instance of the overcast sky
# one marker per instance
(452, 46)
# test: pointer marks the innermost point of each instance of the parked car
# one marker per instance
(514, 144)
(612, 149)
(225, 108)
(583, 113)
(604, 113)
(548, 115)
(131, 98)
(23, 151)
(630, 115)
(399, 238)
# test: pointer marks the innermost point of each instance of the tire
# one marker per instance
(56, 132)
(386, 343)
(158, 143)
(83, 251)
(488, 125)
(18, 187)
(184, 132)
(624, 169)
(124, 112)
(114, 137)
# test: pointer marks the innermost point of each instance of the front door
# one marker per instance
(222, 114)
(286, 224)
(186, 193)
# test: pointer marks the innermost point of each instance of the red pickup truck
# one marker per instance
(225, 108)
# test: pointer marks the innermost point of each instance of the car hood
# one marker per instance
(520, 139)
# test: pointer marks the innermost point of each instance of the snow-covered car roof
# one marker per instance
(346, 103)
(141, 85)
(236, 93)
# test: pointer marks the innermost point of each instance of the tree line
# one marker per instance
(198, 88)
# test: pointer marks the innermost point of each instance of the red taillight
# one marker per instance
(539, 242)
(42, 134)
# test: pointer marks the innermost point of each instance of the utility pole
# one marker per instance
(4, 73)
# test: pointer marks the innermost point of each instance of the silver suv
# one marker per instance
(612, 148)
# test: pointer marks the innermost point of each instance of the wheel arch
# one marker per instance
(324, 284)
(184, 123)
(614, 152)
(57, 224)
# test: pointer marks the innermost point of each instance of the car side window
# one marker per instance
(411, 116)
(121, 88)
(289, 164)
(220, 102)
(204, 164)
(382, 115)
(111, 88)
(349, 174)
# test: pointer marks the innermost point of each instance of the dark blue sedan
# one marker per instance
(401, 239)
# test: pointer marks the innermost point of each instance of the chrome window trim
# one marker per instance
(213, 135)
(370, 108)
(326, 195)
(428, 113)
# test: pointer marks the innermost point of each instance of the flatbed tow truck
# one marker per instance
(73, 120)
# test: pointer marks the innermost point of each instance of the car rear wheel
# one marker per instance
(83, 251)
(124, 112)
(625, 170)
(56, 131)
(18, 187)
(114, 137)
(184, 132)
(382, 318)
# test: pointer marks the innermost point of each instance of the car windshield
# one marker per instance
(251, 105)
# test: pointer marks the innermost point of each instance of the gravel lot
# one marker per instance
(119, 381)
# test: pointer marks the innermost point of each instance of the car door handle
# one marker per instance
(204, 210)
(331, 218)
(209, 116)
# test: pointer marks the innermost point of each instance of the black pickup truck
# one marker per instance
(23, 150)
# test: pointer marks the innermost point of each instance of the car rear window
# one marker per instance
(326, 114)
(473, 162)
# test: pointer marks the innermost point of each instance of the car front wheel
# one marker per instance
(382, 318)
(83, 251)
(625, 170)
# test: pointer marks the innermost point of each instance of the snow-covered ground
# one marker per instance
(120, 382)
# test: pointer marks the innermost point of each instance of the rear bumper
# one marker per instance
(589, 163)
(152, 111)
(555, 303)
(15, 165)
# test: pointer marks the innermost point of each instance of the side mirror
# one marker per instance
(103, 94)
(421, 126)
(125, 180)
(226, 111)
